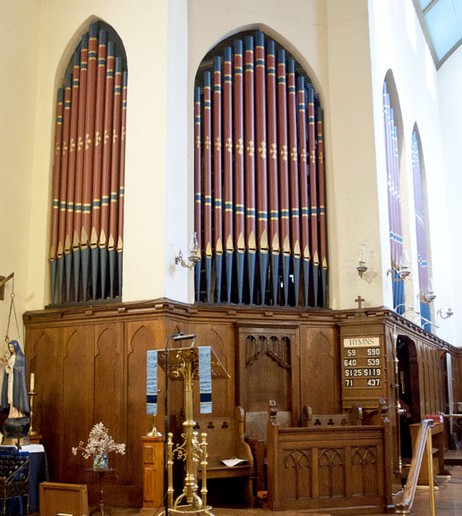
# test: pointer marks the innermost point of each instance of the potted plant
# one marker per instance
(98, 446)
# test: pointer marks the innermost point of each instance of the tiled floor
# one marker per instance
(448, 500)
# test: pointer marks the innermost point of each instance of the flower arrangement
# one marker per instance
(99, 442)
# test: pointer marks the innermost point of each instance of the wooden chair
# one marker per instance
(14, 475)
(225, 440)
(256, 424)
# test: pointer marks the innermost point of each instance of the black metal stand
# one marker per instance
(101, 508)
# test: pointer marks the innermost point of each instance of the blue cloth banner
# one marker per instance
(205, 379)
(151, 382)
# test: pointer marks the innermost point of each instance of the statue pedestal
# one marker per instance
(16, 431)
(153, 474)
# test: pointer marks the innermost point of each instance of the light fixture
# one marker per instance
(418, 315)
(406, 308)
(3, 282)
(362, 261)
(403, 269)
(428, 296)
(449, 313)
(194, 255)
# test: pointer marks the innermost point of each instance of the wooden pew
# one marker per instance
(225, 440)
(256, 434)
(352, 418)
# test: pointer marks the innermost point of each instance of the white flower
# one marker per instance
(99, 441)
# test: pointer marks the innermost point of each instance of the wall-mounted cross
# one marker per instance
(359, 300)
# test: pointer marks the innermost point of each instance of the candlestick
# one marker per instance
(31, 414)
(32, 382)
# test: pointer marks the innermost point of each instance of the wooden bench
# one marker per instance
(352, 418)
(339, 469)
(256, 433)
(225, 440)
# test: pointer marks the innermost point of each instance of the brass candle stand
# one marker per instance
(183, 364)
(154, 432)
(32, 395)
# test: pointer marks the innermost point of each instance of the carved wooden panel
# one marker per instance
(77, 387)
(319, 366)
(268, 353)
(327, 469)
(432, 380)
(110, 386)
(90, 365)
(457, 377)
(44, 354)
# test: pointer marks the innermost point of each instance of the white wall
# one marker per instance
(351, 165)
(407, 55)
(143, 27)
(19, 45)
(449, 81)
(330, 39)
(346, 49)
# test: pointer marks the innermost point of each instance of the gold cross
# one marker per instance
(229, 144)
(250, 149)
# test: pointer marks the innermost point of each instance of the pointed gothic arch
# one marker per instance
(393, 130)
(426, 293)
(86, 247)
(259, 173)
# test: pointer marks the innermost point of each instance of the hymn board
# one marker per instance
(363, 371)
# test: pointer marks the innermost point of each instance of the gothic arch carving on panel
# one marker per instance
(266, 353)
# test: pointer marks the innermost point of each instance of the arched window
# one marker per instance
(259, 178)
(399, 260)
(426, 294)
(88, 177)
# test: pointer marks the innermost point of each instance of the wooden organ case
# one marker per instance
(90, 366)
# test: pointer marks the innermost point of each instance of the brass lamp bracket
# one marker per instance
(3, 282)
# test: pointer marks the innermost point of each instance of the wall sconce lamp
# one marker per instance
(428, 296)
(406, 308)
(194, 255)
(403, 270)
(449, 313)
(418, 315)
(362, 261)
